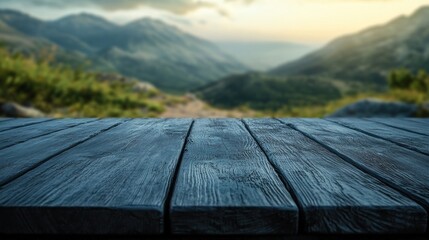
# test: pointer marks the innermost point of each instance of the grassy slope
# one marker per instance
(267, 93)
(408, 96)
(365, 58)
(294, 97)
(62, 91)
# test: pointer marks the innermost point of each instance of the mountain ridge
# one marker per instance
(368, 55)
(349, 66)
(147, 49)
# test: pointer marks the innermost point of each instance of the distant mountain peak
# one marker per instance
(146, 49)
(364, 58)
(8, 14)
(84, 20)
(13, 12)
(148, 22)
(83, 16)
(422, 11)
(19, 21)
(421, 15)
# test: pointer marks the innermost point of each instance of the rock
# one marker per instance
(11, 109)
(143, 87)
(377, 108)
(137, 85)
(191, 97)
(424, 110)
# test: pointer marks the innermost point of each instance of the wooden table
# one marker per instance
(291, 177)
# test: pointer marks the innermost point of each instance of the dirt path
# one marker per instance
(196, 108)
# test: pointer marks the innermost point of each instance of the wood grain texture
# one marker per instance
(421, 127)
(335, 197)
(403, 169)
(227, 186)
(404, 138)
(114, 183)
(18, 135)
(18, 159)
(20, 122)
(419, 120)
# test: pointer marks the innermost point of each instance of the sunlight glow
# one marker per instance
(305, 21)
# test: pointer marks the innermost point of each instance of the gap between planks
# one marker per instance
(301, 213)
(26, 122)
(214, 201)
(378, 120)
(44, 134)
(172, 186)
(20, 174)
(365, 131)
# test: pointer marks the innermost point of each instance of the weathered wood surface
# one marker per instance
(226, 185)
(334, 196)
(116, 182)
(20, 158)
(213, 176)
(420, 127)
(14, 136)
(20, 122)
(419, 120)
(404, 138)
(401, 168)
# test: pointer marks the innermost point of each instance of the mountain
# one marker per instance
(365, 58)
(263, 92)
(262, 56)
(146, 49)
(348, 66)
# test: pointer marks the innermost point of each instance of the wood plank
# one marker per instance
(18, 135)
(403, 169)
(226, 185)
(404, 138)
(114, 183)
(20, 122)
(412, 126)
(334, 196)
(20, 158)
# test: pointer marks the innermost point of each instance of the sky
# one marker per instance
(301, 21)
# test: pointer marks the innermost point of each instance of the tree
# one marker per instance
(421, 82)
(400, 79)
(404, 79)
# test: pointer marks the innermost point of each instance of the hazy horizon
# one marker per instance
(310, 22)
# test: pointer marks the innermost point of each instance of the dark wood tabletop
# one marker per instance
(230, 177)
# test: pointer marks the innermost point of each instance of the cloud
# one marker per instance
(180, 7)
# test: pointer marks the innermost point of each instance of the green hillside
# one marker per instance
(263, 92)
(309, 96)
(146, 49)
(367, 57)
(348, 69)
(62, 91)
